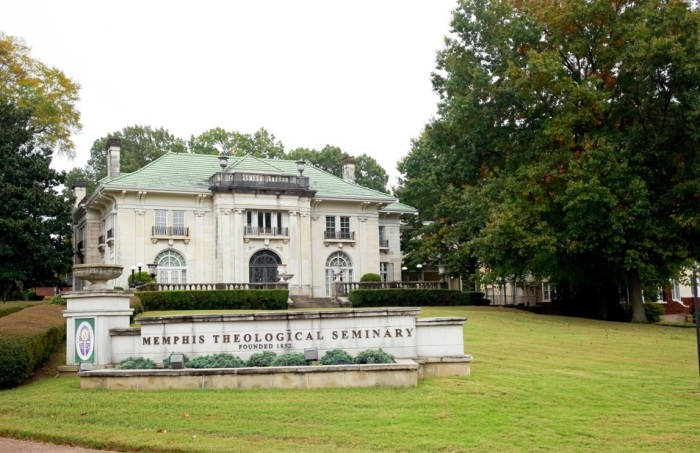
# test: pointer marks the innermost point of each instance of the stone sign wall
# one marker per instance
(395, 330)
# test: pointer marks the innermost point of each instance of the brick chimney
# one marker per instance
(348, 165)
(114, 150)
(79, 191)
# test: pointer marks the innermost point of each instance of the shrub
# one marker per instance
(374, 356)
(370, 277)
(262, 359)
(268, 299)
(336, 357)
(58, 300)
(27, 339)
(653, 311)
(9, 309)
(166, 361)
(144, 277)
(406, 297)
(221, 360)
(16, 294)
(475, 298)
(137, 363)
(290, 359)
(135, 303)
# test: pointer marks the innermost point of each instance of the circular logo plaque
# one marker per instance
(85, 341)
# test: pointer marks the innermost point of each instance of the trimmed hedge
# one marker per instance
(263, 299)
(374, 356)
(407, 297)
(290, 359)
(475, 298)
(137, 306)
(8, 310)
(264, 358)
(137, 363)
(27, 339)
(220, 360)
(336, 357)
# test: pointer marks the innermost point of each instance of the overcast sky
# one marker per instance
(354, 74)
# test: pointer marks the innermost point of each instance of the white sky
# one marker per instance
(354, 74)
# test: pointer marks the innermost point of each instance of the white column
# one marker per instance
(362, 259)
(294, 265)
(225, 246)
(199, 246)
(239, 268)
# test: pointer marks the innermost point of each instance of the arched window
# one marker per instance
(343, 260)
(263, 267)
(172, 267)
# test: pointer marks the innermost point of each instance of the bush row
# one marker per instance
(414, 297)
(27, 339)
(268, 299)
(262, 359)
(9, 309)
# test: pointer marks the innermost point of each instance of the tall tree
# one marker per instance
(34, 219)
(328, 159)
(568, 130)
(368, 172)
(45, 90)
(140, 146)
(220, 141)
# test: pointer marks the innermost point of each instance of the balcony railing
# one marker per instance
(170, 231)
(266, 231)
(384, 243)
(339, 235)
(110, 233)
(213, 286)
(246, 181)
(101, 240)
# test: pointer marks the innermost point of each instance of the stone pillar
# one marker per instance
(294, 255)
(225, 246)
(141, 232)
(199, 246)
(362, 259)
(92, 313)
(89, 317)
(239, 268)
(306, 247)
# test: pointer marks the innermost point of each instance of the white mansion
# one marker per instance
(215, 219)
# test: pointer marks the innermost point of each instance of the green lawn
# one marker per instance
(538, 383)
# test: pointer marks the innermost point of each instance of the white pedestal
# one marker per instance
(89, 317)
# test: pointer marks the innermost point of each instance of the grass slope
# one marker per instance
(539, 383)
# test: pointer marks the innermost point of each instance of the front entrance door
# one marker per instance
(263, 267)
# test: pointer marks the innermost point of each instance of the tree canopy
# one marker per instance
(34, 220)
(140, 145)
(566, 143)
(368, 172)
(219, 141)
(46, 91)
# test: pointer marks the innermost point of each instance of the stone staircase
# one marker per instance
(316, 302)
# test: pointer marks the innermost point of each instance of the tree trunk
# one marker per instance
(636, 301)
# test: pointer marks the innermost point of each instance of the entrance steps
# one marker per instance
(315, 302)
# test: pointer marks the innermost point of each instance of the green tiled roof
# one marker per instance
(191, 172)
